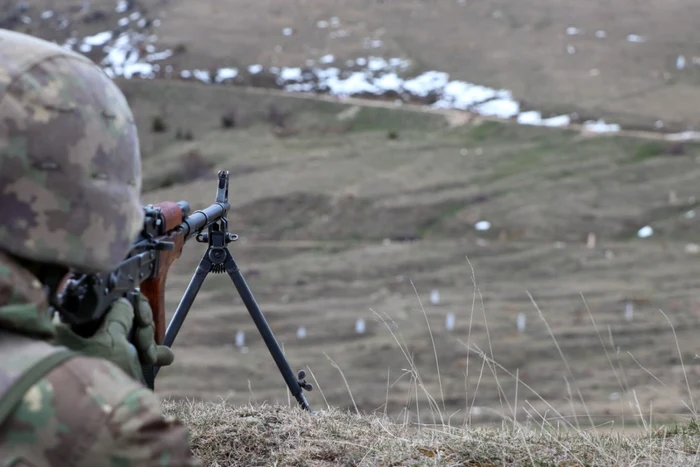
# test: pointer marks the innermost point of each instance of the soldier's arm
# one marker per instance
(87, 412)
(134, 431)
(140, 435)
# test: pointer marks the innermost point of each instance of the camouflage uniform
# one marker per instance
(70, 182)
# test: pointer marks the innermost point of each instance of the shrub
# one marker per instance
(276, 116)
(158, 125)
(184, 135)
(648, 150)
(228, 120)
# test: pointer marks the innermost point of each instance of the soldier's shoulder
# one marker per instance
(88, 412)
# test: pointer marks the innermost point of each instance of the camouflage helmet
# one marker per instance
(70, 165)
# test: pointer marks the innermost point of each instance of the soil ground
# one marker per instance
(522, 46)
(347, 209)
(342, 216)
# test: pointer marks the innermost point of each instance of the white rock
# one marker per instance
(240, 339)
(450, 321)
(645, 232)
(629, 311)
(680, 62)
(482, 225)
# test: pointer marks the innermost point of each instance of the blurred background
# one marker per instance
(467, 209)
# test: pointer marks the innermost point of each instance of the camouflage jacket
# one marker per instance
(85, 411)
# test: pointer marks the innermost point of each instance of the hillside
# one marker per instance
(346, 209)
(427, 263)
(633, 65)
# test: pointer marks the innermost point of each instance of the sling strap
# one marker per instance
(23, 362)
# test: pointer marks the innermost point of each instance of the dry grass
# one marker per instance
(225, 435)
(257, 435)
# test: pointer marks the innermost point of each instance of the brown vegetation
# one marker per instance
(226, 436)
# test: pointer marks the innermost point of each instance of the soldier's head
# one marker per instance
(70, 166)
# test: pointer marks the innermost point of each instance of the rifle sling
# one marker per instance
(24, 362)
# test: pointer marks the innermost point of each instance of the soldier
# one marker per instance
(70, 182)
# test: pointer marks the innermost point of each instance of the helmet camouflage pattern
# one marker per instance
(70, 165)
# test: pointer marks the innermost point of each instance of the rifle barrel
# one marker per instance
(199, 220)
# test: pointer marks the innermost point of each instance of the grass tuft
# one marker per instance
(224, 435)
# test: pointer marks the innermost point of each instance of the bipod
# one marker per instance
(218, 259)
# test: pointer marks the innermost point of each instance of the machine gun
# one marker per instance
(86, 298)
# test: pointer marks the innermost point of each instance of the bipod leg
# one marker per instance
(203, 269)
(296, 384)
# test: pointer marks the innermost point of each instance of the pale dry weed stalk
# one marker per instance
(501, 392)
(563, 358)
(415, 374)
(342, 375)
(316, 385)
(680, 356)
(432, 341)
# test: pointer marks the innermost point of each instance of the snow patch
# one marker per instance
(224, 74)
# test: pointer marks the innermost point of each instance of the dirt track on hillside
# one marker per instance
(457, 117)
